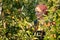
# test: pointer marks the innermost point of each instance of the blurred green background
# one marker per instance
(18, 15)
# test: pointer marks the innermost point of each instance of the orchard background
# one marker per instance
(17, 16)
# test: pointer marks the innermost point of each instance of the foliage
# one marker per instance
(18, 15)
